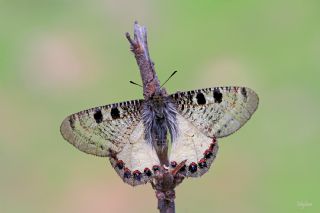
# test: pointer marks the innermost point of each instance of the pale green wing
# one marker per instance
(98, 130)
(218, 111)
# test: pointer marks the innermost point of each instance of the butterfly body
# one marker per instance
(159, 117)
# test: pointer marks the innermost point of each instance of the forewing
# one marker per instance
(219, 111)
(98, 130)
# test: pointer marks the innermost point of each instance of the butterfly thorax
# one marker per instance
(159, 117)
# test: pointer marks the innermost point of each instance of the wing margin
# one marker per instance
(96, 130)
(217, 111)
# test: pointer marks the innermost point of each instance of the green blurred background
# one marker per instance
(58, 57)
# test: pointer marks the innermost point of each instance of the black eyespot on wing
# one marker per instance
(120, 164)
(137, 175)
(173, 164)
(207, 154)
(193, 167)
(155, 168)
(115, 113)
(202, 163)
(200, 98)
(98, 116)
(217, 95)
(244, 92)
(71, 121)
(127, 173)
(147, 172)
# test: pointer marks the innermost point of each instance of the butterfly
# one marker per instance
(128, 132)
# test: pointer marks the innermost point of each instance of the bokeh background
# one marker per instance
(58, 57)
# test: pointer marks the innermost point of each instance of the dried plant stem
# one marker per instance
(165, 181)
(139, 46)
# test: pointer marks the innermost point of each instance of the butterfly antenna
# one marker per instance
(134, 83)
(169, 78)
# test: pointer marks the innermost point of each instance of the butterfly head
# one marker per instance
(154, 93)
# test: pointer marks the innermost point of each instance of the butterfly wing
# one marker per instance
(115, 131)
(134, 163)
(204, 115)
(97, 130)
(219, 111)
(196, 148)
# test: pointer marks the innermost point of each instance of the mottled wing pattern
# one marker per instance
(219, 111)
(115, 131)
(98, 130)
(192, 145)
